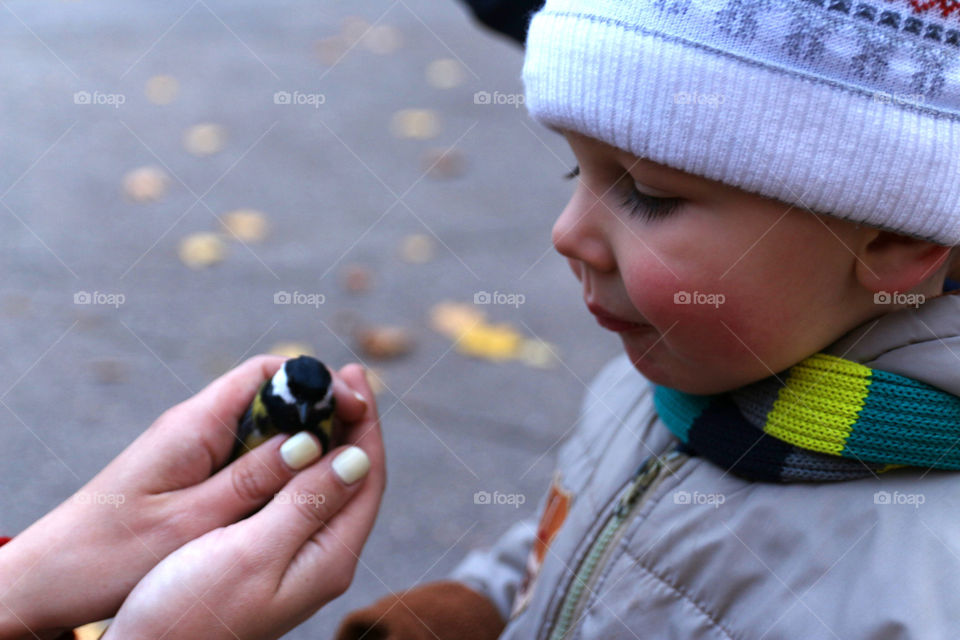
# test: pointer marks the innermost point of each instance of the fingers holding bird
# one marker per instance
(351, 526)
(306, 509)
(225, 400)
(201, 436)
(364, 429)
(249, 482)
(261, 462)
(351, 401)
(326, 536)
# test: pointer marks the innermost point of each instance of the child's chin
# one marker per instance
(644, 356)
(650, 362)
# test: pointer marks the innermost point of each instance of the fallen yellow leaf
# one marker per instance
(494, 342)
(466, 324)
(162, 89)
(246, 225)
(445, 73)
(453, 318)
(204, 139)
(145, 184)
(199, 250)
(416, 248)
(415, 123)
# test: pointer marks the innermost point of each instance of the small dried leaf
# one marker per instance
(384, 342)
(353, 28)
(356, 278)
(16, 305)
(442, 163)
(415, 123)
(292, 349)
(416, 248)
(331, 49)
(145, 184)
(162, 89)
(445, 73)
(246, 225)
(204, 139)
(382, 39)
(107, 371)
(199, 250)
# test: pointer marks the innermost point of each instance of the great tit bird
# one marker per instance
(299, 397)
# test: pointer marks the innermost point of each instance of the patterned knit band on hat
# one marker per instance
(845, 108)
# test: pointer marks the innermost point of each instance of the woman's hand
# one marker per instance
(80, 561)
(260, 577)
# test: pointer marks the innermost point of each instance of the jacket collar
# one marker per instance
(921, 343)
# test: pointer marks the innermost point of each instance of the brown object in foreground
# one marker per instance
(444, 610)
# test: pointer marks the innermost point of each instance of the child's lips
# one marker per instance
(609, 321)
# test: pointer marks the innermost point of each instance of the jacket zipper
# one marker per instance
(631, 500)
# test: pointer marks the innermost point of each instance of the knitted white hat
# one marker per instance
(850, 109)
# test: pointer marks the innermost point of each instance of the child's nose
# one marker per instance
(578, 235)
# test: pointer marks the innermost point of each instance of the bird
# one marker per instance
(299, 397)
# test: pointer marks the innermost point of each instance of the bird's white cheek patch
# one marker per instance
(280, 386)
(323, 404)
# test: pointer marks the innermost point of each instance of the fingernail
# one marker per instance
(351, 465)
(299, 451)
(358, 396)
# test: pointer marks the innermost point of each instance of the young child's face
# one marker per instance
(727, 288)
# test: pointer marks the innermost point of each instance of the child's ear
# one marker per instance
(890, 261)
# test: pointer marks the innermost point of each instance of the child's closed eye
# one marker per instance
(639, 204)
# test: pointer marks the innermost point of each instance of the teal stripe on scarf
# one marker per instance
(906, 421)
(679, 410)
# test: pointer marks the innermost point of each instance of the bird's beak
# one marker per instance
(303, 408)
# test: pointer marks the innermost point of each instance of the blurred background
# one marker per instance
(186, 184)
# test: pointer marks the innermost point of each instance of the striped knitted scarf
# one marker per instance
(825, 419)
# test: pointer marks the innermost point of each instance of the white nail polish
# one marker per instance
(299, 450)
(351, 465)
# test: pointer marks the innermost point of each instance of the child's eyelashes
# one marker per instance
(648, 207)
(640, 205)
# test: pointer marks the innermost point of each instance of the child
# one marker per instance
(773, 454)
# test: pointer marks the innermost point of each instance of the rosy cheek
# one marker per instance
(697, 314)
(657, 292)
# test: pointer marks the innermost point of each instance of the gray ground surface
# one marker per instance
(325, 177)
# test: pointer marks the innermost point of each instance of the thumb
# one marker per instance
(251, 480)
(311, 499)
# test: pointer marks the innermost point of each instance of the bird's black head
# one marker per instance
(308, 379)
